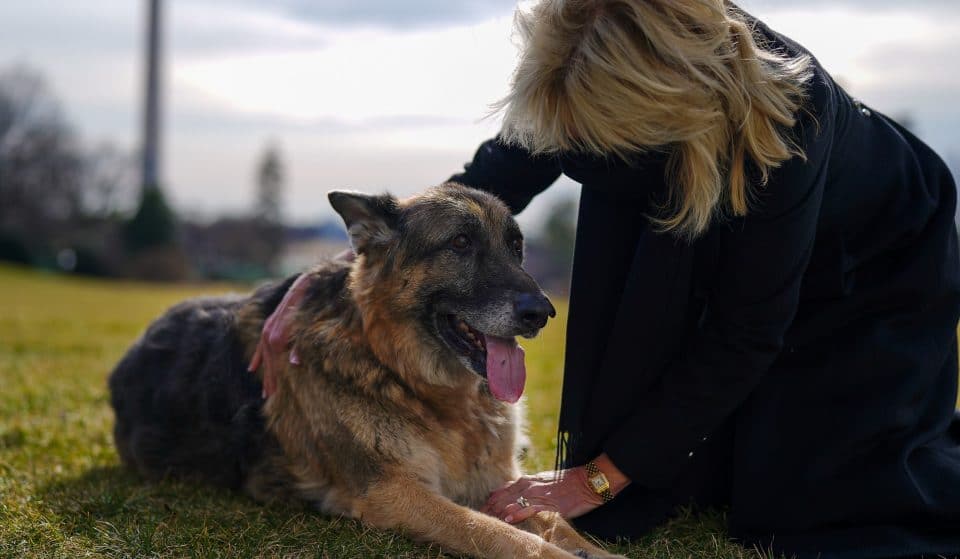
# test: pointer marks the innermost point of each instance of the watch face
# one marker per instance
(599, 483)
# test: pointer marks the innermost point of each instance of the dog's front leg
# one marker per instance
(553, 528)
(406, 503)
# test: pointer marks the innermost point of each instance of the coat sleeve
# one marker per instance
(750, 304)
(509, 172)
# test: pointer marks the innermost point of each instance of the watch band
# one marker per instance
(598, 482)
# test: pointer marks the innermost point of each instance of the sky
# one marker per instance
(383, 95)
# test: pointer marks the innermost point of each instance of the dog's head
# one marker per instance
(440, 275)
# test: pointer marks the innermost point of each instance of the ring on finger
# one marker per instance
(523, 502)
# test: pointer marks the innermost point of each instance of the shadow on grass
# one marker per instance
(111, 511)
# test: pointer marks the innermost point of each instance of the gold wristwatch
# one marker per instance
(598, 482)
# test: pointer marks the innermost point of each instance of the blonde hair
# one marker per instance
(619, 77)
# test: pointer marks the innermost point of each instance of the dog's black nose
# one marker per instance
(533, 309)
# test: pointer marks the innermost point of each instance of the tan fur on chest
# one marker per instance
(477, 449)
(341, 433)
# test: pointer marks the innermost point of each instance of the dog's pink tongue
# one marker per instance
(506, 371)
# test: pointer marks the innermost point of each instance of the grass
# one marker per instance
(64, 494)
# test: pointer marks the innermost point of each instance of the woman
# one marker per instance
(765, 289)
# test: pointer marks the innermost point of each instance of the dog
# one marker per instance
(402, 412)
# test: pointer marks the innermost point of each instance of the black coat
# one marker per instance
(798, 364)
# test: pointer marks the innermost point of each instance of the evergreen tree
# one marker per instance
(270, 179)
(154, 224)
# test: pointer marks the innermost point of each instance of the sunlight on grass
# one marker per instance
(64, 494)
(544, 358)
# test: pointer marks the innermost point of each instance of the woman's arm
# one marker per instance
(509, 172)
(751, 303)
(567, 492)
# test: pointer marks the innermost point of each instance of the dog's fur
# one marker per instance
(384, 420)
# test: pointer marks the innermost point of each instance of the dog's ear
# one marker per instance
(370, 220)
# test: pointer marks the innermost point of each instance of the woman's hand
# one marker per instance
(275, 337)
(566, 492)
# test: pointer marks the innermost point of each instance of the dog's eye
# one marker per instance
(518, 247)
(460, 242)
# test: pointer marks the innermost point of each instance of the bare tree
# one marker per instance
(41, 165)
(109, 182)
(56, 197)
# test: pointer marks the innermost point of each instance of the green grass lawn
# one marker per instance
(63, 492)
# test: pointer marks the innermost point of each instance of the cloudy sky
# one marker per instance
(380, 94)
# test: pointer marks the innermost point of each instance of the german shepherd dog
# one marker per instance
(401, 412)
